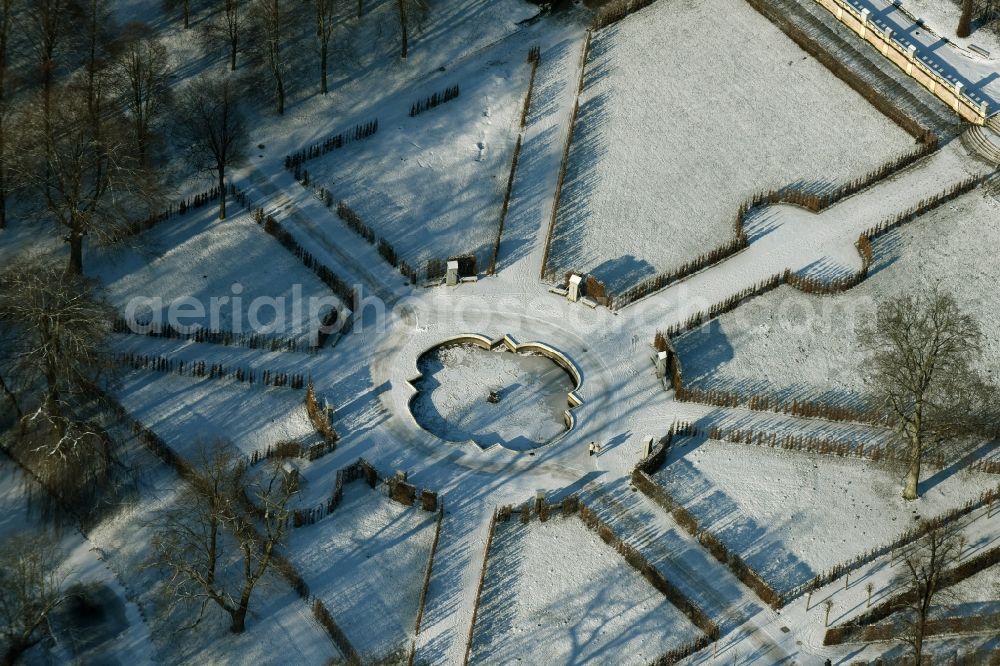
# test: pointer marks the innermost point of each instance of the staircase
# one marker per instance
(984, 141)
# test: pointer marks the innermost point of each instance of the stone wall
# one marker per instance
(949, 93)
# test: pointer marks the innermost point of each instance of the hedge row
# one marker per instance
(617, 10)
(805, 408)
(479, 589)
(337, 285)
(186, 204)
(791, 196)
(430, 568)
(863, 627)
(643, 481)
(385, 249)
(200, 369)
(571, 506)
(435, 100)
(534, 58)
(273, 343)
(873, 95)
(564, 162)
(331, 143)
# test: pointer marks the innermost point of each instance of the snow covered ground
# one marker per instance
(662, 159)
(202, 411)
(792, 516)
(556, 593)
(367, 563)
(794, 345)
(80, 564)
(457, 380)
(432, 185)
(257, 286)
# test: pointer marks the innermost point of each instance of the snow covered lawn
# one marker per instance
(793, 345)
(198, 257)
(432, 185)
(367, 563)
(688, 110)
(792, 516)
(556, 594)
(189, 412)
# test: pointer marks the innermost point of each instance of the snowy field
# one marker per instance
(555, 593)
(367, 563)
(257, 284)
(433, 184)
(457, 380)
(201, 411)
(661, 159)
(280, 626)
(976, 595)
(793, 345)
(792, 516)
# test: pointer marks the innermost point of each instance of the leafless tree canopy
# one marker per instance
(228, 513)
(923, 577)
(211, 122)
(55, 330)
(921, 371)
(141, 81)
(30, 589)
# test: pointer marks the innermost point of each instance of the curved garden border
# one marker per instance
(573, 398)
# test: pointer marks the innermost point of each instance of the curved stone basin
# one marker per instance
(453, 396)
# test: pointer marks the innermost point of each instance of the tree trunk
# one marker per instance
(280, 92)
(232, 53)
(13, 651)
(187, 14)
(918, 642)
(360, 8)
(403, 26)
(75, 252)
(910, 490)
(965, 21)
(239, 615)
(222, 193)
(322, 82)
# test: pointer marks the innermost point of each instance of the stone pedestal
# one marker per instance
(451, 277)
(647, 447)
(661, 364)
(575, 288)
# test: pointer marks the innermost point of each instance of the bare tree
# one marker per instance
(47, 27)
(212, 124)
(141, 79)
(55, 331)
(9, 15)
(225, 514)
(83, 168)
(920, 371)
(407, 10)
(30, 588)
(184, 6)
(229, 27)
(325, 25)
(924, 578)
(269, 19)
